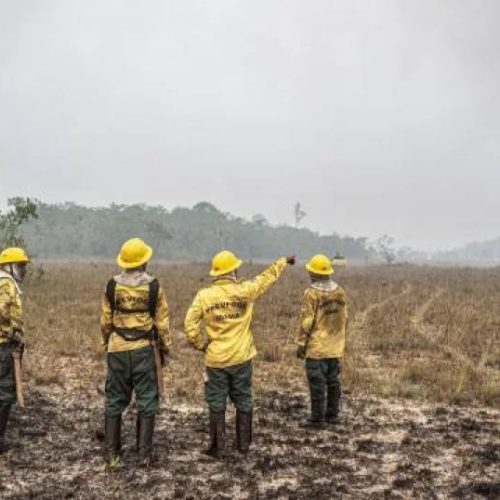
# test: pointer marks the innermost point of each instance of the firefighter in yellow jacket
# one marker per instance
(13, 265)
(226, 308)
(134, 314)
(321, 340)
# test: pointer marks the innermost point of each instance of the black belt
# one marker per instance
(131, 335)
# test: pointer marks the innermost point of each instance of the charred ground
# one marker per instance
(382, 449)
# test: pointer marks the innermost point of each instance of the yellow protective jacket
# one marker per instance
(132, 293)
(226, 308)
(323, 320)
(11, 308)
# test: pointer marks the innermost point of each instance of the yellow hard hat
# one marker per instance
(134, 253)
(224, 262)
(320, 264)
(14, 255)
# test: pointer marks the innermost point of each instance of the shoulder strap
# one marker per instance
(110, 293)
(154, 288)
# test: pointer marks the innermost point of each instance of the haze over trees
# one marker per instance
(484, 251)
(69, 230)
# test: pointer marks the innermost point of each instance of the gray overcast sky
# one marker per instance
(379, 116)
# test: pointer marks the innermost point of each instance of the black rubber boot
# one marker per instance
(146, 429)
(217, 431)
(243, 431)
(333, 405)
(112, 440)
(317, 418)
(4, 418)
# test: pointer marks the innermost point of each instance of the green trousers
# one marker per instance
(235, 382)
(323, 376)
(7, 381)
(132, 371)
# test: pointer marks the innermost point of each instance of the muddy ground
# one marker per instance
(382, 449)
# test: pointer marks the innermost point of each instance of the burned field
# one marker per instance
(420, 416)
(383, 448)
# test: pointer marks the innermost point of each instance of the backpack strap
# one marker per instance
(110, 294)
(154, 288)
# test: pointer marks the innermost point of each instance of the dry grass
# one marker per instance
(415, 332)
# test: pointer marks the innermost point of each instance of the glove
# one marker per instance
(21, 349)
(301, 351)
(18, 337)
(290, 260)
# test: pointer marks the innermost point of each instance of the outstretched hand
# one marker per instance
(17, 336)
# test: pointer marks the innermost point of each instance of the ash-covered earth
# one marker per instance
(382, 449)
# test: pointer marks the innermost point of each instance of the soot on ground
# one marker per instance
(381, 449)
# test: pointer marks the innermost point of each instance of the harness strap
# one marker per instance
(110, 293)
(129, 333)
(154, 288)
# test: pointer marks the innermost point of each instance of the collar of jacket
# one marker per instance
(223, 280)
(134, 278)
(324, 286)
(4, 275)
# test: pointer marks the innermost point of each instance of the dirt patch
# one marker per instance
(382, 448)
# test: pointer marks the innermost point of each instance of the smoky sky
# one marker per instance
(378, 116)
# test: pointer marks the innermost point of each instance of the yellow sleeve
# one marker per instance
(106, 320)
(341, 299)
(307, 318)
(162, 320)
(251, 290)
(5, 303)
(192, 323)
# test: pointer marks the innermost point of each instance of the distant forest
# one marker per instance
(69, 230)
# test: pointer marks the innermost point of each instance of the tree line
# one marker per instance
(69, 230)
